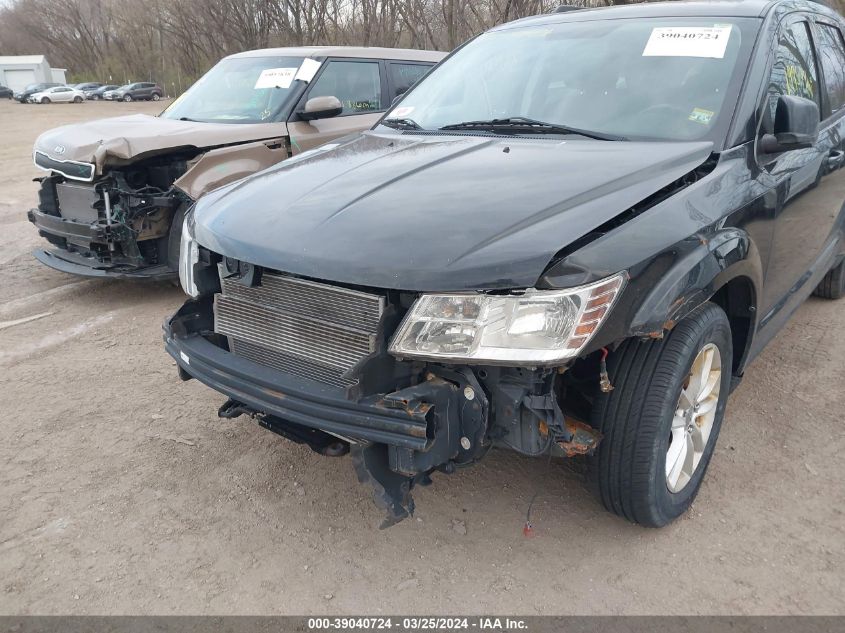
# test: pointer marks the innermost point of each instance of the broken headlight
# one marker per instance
(534, 328)
(189, 256)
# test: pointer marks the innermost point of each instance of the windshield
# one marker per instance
(651, 79)
(240, 90)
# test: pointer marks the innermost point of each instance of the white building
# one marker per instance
(18, 71)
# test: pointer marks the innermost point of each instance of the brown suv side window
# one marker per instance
(356, 84)
(403, 76)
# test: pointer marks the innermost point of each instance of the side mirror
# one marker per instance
(796, 125)
(321, 108)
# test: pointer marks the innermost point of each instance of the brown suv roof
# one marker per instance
(407, 54)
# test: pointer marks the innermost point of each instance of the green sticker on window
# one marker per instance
(700, 115)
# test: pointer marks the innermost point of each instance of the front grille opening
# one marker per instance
(308, 329)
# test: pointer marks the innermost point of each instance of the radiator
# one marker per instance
(308, 329)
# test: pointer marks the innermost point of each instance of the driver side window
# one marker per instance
(794, 72)
(356, 84)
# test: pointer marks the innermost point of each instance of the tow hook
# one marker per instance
(232, 409)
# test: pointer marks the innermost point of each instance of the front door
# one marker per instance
(803, 218)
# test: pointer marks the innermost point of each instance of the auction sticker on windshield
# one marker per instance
(688, 41)
(275, 78)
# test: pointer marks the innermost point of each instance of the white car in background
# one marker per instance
(59, 94)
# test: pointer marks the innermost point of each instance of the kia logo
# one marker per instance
(60, 149)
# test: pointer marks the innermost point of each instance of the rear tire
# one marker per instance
(156, 96)
(832, 286)
(642, 417)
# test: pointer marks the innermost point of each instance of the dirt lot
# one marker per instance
(121, 491)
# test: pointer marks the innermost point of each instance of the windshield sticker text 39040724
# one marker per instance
(688, 41)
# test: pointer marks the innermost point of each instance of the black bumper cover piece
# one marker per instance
(68, 229)
(66, 263)
(290, 398)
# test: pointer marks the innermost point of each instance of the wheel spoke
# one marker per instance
(675, 459)
(686, 400)
(709, 386)
(707, 405)
(678, 422)
(697, 440)
(689, 458)
(701, 371)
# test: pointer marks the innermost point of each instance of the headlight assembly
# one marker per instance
(189, 256)
(539, 327)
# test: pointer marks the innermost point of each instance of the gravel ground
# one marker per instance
(122, 493)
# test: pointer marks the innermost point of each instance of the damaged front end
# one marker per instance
(123, 218)
(313, 362)
(115, 225)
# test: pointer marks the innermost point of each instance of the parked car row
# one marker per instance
(77, 93)
(570, 238)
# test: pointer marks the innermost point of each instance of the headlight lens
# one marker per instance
(535, 328)
(189, 256)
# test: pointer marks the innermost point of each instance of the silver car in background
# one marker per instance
(58, 94)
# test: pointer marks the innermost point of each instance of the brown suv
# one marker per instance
(117, 189)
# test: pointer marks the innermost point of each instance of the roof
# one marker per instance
(408, 54)
(682, 8)
(26, 60)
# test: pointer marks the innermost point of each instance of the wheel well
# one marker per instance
(737, 298)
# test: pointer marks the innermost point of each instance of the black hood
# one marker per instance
(425, 212)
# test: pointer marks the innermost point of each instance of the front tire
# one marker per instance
(45, 100)
(832, 286)
(661, 421)
(127, 98)
(77, 99)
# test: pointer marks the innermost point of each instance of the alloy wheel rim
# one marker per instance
(694, 416)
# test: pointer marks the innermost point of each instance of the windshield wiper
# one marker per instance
(402, 124)
(185, 118)
(531, 126)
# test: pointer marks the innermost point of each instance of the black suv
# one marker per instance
(24, 95)
(138, 92)
(571, 237)
(6, 93)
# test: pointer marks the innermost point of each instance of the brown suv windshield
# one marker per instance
(240, 90)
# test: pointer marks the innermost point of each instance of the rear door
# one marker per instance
(402, 75)
(360, 86)
(803, 217)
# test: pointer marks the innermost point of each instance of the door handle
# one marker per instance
(835, 159)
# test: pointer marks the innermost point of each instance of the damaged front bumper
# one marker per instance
(397, 439)
(86, 237)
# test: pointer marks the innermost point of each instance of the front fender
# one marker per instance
(221, 166)
(694, 278)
